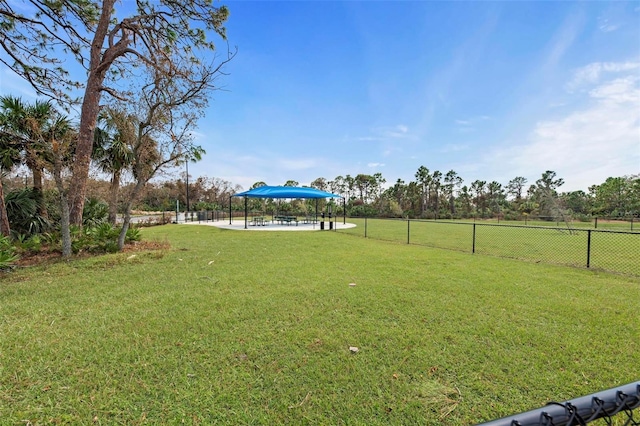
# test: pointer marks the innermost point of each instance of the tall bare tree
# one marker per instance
(172, 101)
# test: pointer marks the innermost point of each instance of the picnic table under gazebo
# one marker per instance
(282, 192)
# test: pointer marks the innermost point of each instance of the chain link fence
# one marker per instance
(614, 223)
(614, 251)
(613, 406)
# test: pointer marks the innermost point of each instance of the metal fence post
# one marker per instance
(588, 248)
(596, 222)
(473, 248)
(365, 227)
(408, 232)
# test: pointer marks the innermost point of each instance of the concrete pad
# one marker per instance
(238, 225)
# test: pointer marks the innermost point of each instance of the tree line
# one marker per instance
(436, 195)
(431, 195)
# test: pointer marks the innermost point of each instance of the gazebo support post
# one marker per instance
(245, 212)
(316, 218)
(344, 211)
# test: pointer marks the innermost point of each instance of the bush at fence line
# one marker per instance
(582, 217)
(363, 211)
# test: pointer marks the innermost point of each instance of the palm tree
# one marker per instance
(112, 152)
(9, 158)
(29, 122)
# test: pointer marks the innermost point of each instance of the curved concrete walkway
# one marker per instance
(238, 225)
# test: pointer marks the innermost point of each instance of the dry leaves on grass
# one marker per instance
(440, 398)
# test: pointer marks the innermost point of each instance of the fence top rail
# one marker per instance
(605, 231)
(580, 410)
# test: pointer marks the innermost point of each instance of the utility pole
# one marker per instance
(187, 165)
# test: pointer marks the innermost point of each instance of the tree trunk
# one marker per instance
(113, 197)
(65, 228)
(88, 118)
(126, 220)
(5, 229)
(37, 192)
(127, 213)
(99, 64)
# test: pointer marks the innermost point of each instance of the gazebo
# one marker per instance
(283, 192)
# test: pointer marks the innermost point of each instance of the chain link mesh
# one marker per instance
(612, 407)
(613, 251)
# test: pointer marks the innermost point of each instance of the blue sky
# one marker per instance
(492, 90)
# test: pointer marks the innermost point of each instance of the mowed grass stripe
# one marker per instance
(255, 328)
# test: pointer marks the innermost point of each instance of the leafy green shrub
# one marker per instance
(95, 212)
(22, 212)
(8, 257)
(133, 234)
(101, 238)
(582, 217)
(363, 211)
(93, 239)
(26, 243)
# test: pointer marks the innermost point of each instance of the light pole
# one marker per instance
(187, 165)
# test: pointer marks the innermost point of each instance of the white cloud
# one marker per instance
(375, 165)
(301, 164)
(454, 148)
(398, 132)
(593, 72)
(606, 26)
(385, 133)
(599, 140)
(563, 39)
(468, 125)
(620, 90)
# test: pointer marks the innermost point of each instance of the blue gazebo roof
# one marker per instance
(286, 192)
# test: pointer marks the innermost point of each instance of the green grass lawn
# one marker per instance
(255, 328)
